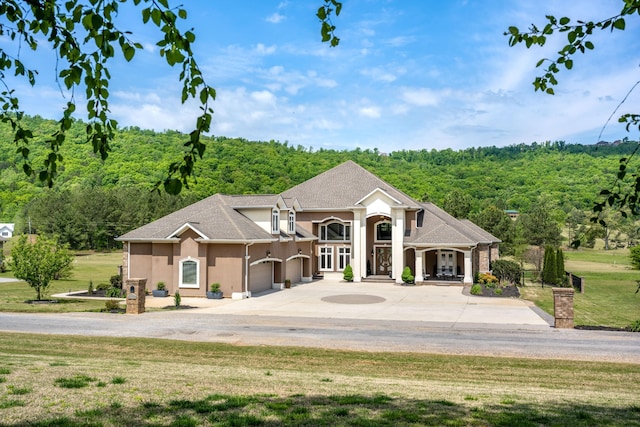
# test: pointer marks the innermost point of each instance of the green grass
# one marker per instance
(610, 284)
(98, 267)
(221, 384)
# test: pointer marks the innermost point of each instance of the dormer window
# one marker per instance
(275, 221)
(292, 222)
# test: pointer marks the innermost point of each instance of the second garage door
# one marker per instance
(294, 270)
(260, 277)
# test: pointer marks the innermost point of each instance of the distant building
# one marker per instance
(6, 231)
(512, 214)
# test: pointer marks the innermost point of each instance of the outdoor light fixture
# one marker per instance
(299, 251)
(268, 253)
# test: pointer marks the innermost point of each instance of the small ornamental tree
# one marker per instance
(634, 256)
(560, 273)
(348, 273)
(549, 275)
(40, 262)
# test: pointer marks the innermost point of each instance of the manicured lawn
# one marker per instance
(95, 267)
(609, 298)
(74, 381)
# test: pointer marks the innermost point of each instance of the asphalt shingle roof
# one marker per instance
(218, 217)
(214, 217)
(343, 187)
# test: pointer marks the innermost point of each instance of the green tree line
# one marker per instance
(93, 201)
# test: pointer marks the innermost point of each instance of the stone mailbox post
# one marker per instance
(136, 290)
(563, 307)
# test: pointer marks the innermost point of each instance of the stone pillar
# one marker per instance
(125, 261)
(136, 290)
(563, 307)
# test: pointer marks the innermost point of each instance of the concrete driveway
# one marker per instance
(333, 298)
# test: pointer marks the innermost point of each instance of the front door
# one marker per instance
(383, 260)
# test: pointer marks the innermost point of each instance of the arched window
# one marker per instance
(335, 232)
(292, 222)
(189, 273)
(275, 221)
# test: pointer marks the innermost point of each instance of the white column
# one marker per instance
(356, 247)
(397, 236)
(468, 273)
(419, 271)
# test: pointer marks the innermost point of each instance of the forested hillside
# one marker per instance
(114, 196)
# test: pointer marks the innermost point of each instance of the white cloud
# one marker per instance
(421, 97)
(371, 112)
(275, 18)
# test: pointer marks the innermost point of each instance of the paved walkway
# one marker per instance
(330, 298)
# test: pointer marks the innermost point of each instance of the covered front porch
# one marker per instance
(446, 265)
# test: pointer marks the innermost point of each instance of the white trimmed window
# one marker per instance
(275, 221)
(344, 257)
(335, 232)
(292, 222)
(383, 231)
(326, 258)
(189, 273)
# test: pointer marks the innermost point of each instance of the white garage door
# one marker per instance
(260, 277)
(294, 270)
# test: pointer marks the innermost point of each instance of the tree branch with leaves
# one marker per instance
(624, 194)
(85, 38)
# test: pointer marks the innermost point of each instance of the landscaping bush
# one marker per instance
(407, 277)
(177, 299)
(506, 270)
(476, 289)
(115, 293)
(112, 304)
(103, 287)
(488, 279)
(116, 281)
(348, 273)
(635, 326)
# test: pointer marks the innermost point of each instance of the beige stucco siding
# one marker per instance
(225, 266)
(140, 261)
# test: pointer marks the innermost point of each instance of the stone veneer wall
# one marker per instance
(483, 258)
(563, 307)
(125, 261)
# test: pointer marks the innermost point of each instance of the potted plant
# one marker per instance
(214, 291)
(160, 290)
(287, 283)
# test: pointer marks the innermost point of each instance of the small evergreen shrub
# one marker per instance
(160, 286)
(348, 273)
(498, 291)
(177, 299)
(635, 326)
(476, 289)
(407, 277)
(90, 288)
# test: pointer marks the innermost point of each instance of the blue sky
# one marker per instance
(408, 74)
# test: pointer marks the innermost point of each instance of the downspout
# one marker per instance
(246, 269)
